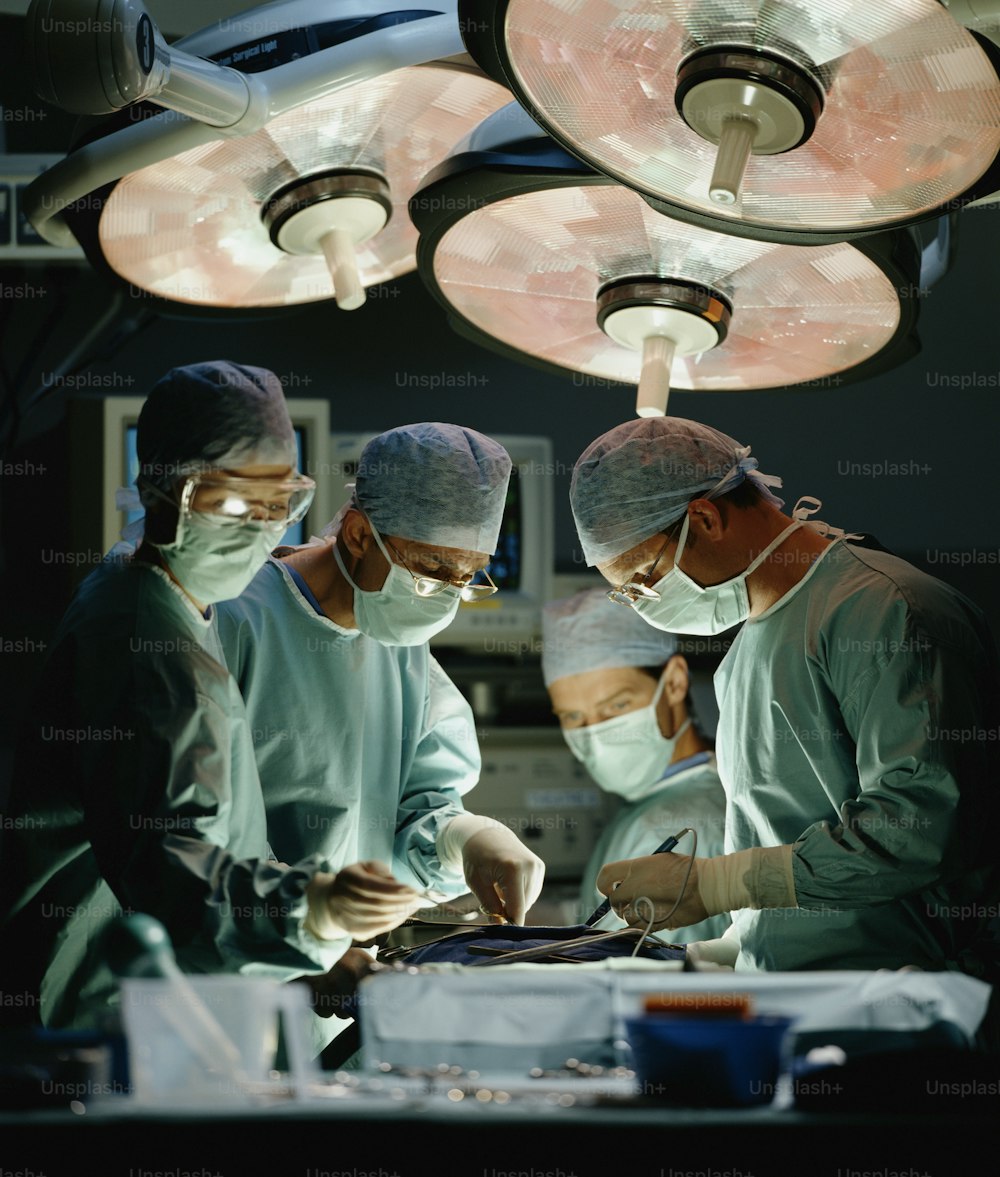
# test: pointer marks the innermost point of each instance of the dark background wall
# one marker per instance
(374, 364)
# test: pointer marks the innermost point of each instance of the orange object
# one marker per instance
(700, 1005)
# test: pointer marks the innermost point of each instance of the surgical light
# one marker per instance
(310, 202)
(534, 254)
(312, 206)
(795, 121)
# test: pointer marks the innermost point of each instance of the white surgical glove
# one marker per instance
(500, 870)
(722, 952)
(361, 900)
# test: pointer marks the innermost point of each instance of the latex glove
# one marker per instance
(762, 876)
(502, 873)
(333, 989)
(659, 877)
(721, 952)
(361, 900)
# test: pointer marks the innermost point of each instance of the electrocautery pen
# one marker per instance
(665, 848)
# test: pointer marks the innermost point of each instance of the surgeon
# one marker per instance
(363, 743)
(134, 784)
(620, 692)
(856, 706)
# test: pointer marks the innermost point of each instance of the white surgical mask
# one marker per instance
(394, 615)
(626, 755)
(216, 561)
(686, 607)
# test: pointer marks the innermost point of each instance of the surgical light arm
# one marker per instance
(207, 101)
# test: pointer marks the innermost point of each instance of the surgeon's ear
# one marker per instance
(676, 680)
(355, 533)
(706, 521)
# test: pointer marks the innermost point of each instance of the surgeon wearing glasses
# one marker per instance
(364, 745)
(855, 706)
(134, 783)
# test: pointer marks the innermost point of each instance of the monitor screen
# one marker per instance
(296, 534)
(131, 467)
(505, 567)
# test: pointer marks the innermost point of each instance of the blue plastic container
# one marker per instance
(719, 1062)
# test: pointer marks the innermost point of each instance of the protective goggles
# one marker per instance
(231, 501)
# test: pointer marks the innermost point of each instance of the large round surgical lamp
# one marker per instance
(798, 122)
(309, 204)
(537, 256)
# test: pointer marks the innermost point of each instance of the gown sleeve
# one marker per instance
(446, 765)
(916, 702)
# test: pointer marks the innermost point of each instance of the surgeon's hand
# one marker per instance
(361, 900)
(332, 990)
(502, 873)
(659, 877)
(721, 952)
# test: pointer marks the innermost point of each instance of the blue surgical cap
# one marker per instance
(436, 484)
(638, 478)
(210, 416)
(589, 632)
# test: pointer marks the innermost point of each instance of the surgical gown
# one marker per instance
(135, 789)
(363, 750)
(859, 721)
(691, 794)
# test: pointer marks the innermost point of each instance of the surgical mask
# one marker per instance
(626, 755)
(216, 561)
(394, 615)
(686, 607)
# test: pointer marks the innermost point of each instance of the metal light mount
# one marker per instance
(98, 56)
(798, 123)
(540, 258)
(331, 213)
(746, 101)
(308, 205)
(661, 319)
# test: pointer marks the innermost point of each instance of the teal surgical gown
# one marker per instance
(135, 789)
(691, 794)
(859, 722)
(364, 750)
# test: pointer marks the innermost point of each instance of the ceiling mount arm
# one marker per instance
(99, 60)
(273, 91)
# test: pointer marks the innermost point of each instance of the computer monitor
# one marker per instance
(509, 621)
(105, 428)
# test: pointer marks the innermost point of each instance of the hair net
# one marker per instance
(638, 478)
(436, 484)
(589, 632)
(215, 415)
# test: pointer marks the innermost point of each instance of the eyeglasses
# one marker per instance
(628, 594)
(430, 586)
(278, 503)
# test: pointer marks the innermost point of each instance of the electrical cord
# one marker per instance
(645, 898)
(649, 923)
